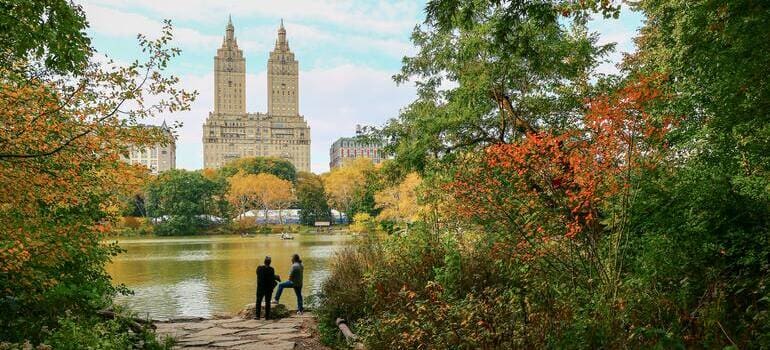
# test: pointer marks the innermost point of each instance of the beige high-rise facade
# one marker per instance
(159, 157)
(230, 132)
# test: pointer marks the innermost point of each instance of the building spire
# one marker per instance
(230, 30)
(282, 43)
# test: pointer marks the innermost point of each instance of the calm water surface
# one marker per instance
(201, 275)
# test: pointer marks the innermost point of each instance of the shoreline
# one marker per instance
(229, 331)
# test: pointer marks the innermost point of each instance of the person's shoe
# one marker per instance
(299, 313)
(274, 301)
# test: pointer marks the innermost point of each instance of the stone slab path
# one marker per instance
(237, 333)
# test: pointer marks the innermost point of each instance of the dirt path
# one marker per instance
(294, 332)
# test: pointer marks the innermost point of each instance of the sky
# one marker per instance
(348, 52)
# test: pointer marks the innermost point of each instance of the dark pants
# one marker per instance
(263, 295)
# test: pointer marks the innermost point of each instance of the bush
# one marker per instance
(180, 225)
(131, 222)
(363, 223)
(93, 333)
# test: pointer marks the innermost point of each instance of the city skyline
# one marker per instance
(349, 53)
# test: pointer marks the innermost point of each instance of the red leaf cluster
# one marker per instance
(554, 183)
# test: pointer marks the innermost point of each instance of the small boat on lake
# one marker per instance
(286, 236)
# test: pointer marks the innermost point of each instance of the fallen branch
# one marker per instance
(136, 324)
(349, 335)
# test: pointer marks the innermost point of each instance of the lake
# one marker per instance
(203, 275)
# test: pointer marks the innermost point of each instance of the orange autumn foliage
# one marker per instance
(61, 174)
(554, 184)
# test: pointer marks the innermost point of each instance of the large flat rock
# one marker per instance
(235, 333)
(244, 324)
(268, 345)
(215, 331)
(269, 331)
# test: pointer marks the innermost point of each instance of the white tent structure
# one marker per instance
(289, 216)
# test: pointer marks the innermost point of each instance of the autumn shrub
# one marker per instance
(462, 302)
(131, 222)
(344, 293)
(243, 225)
(363, 223)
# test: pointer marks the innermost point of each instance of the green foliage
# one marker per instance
(134, 205)
(66, 120)
(51, 32)
(311, 199)
(363, 223)
(83, 287)
(679, 258)
(78, 334)
(712, 207)
(281, 168)
(363, 196)
(182, 200)
(488, 72)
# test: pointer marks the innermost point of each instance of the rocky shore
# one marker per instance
(242, 332)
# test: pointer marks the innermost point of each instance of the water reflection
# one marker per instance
(200, 276)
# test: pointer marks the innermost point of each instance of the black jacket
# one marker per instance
(266, 278)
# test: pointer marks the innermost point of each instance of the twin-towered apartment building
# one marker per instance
(230, 132)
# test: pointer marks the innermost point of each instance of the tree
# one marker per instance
(346, 183)
(271, 192)
(363, 223)
(489, 72)
(243, 192)
(65, 121)
(713, 203)
(311, 199)
(281, 168)
(49, 32)
(184, 200)
(399, 202)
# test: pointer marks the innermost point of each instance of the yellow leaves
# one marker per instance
(266, 191)
(341, 183)
(209, 173)
(400, 202)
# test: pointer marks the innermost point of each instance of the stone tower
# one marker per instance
(230, 132)
(282, 79)
(229, 75)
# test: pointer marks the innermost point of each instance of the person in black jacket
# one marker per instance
(266, 281)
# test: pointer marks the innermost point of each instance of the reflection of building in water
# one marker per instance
(230, 132)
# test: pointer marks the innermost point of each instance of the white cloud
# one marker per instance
(335, 100)
(308, 37)
(383, 16)
(115, 23)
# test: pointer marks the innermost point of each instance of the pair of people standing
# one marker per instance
(267, 280)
